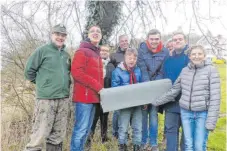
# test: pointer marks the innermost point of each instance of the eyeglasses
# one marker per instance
(180, 39)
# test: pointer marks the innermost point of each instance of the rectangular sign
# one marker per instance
(133, 95)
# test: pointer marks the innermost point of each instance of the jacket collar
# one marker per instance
(184, 51)
(55, 46)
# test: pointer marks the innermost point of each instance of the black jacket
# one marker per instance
(107, 80)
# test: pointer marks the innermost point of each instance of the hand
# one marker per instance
(144, 107)
(100, 90)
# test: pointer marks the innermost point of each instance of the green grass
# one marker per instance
(216, 140)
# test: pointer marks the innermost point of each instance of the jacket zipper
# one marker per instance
(86, 93)
(61, 56)
(192, 90)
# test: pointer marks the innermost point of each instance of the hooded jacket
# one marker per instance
(87, 72)
(200, 88)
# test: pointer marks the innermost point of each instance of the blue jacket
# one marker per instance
(120, 76)
(149, 62)
(172, 69)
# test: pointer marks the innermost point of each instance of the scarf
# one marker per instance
(158, 49)
(104, 63)
(132, 74)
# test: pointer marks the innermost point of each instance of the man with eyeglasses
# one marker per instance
(172, 68)
(49, 69)
(151, 56)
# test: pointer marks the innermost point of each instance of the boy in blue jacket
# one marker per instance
(128, 73)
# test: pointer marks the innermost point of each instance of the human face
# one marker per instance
(178, 41)
(130, 60)
(123, 43)
(58, 39)
(154, 40)
(104, 52)
(197, 56)
(170, 46)
(95, 35)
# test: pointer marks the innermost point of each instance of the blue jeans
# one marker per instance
(83, 119)
(172, 127)
(115, 123)
(195, 132)
(136, 124)
(152, 113)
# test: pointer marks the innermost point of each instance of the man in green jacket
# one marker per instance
(49, 69)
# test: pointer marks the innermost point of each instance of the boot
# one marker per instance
(52, 147)
(136, 148)
(122, 147)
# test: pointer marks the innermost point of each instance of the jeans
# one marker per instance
(195, 132)
(152, 113)
(172, 127)
(135, 115)
(83, 119)
(115, 123)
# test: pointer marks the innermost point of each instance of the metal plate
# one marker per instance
(133, 95)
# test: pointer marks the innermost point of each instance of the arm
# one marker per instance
(143, 67)
(115, 79)
(171, 94)
(32, 66)
(214, 102)
(78, 68)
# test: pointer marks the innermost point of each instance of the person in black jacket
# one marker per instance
(108, 67)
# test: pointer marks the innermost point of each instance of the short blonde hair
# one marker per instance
(196, 47)
(131, 51)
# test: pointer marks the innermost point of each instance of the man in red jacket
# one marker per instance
(87, 72)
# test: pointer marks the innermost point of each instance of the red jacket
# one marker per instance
(87, 72)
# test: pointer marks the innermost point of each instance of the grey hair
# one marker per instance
(131, 51)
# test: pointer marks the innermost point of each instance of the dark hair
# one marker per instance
(89, 27)
(153, 32)
(189, 51)
(179, 33)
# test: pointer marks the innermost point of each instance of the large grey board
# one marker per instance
(133, 95)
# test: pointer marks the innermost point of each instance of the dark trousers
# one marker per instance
(172, 126)
(103, 121)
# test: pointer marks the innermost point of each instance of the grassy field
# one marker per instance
(217, 138)
(16, 129)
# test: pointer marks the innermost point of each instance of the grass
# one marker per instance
(16, 129)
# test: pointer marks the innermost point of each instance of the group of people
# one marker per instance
(192, 103)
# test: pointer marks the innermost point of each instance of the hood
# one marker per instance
(86, 44)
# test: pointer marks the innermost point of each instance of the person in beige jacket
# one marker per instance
(199, 85)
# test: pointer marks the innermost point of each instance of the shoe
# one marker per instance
(154, 148)
(136, 148)
(52, 147)
(122, 147)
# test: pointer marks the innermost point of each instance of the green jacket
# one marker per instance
(49, 69)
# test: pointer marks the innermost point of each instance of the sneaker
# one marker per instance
(154, 148)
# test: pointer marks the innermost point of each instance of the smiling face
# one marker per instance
(95, 35)
(197, 55)
(123, 43)
(154, 40)
(104, 52)
(58, 39)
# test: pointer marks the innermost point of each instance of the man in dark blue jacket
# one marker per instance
(151, 56)
(172, 68)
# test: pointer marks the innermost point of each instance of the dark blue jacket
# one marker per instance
(172, 69)
(120, 76)
(149, 62)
